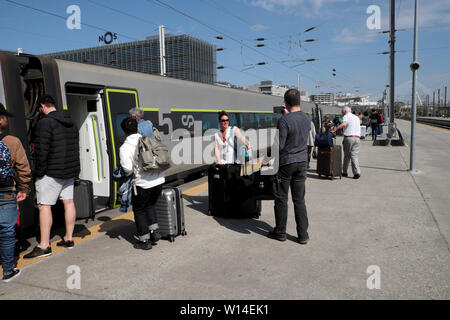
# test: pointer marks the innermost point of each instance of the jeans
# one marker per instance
(144, 210)
(294, 176)
(374, 127)
(8, 219)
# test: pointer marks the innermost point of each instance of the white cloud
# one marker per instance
(259, 27)
(347, 36)
(272, 5)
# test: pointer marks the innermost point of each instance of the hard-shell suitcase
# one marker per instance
(83, 197)
(329, 161)
(170, 213)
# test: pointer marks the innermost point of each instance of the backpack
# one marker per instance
(323, 140)
(154, 154)
(6, 165)
(380, 116)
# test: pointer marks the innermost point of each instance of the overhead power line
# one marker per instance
(123, 13)
(65, 18)
(163, 4)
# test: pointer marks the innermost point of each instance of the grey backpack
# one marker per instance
(154, 154)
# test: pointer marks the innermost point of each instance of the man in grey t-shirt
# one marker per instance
(294, 127)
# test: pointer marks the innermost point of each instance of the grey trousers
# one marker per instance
(351, 150)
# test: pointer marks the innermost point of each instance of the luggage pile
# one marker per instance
(329, 156)
(235, 195)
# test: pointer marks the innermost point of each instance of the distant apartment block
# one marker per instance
(267, 87)
(323, 98)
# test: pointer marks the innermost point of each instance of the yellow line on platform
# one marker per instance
(197, 189)
(99, 229)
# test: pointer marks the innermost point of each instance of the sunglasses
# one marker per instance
(224, 120)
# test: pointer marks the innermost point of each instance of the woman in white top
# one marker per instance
(224, 141)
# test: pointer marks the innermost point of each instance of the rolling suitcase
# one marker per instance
(230, 195)
(265, 186)
(83, 197)
(170, 213)
(363, 132)
(220, 182)
(329, 161)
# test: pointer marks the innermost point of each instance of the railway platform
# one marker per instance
(383, 236)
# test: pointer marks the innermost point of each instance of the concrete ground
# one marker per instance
(390, 220)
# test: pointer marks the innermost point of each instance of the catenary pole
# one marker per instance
(413, 101)
(392, 63)
(162, 51)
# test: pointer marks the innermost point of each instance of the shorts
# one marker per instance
(49, 189)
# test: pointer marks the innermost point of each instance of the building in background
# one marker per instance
(323, 98)
(355, 100)
(267, 87)
(187, 58)
(304, 96)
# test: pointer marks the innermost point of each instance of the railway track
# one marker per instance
(441, 123)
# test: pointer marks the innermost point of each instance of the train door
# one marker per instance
(117, 102)
(85, 104)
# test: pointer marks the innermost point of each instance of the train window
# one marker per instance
(251, 121)
(238, 120)
(269, 120)
(263, 123)
(209, 121)
(246, 122)
(233, 119)
(119, 119)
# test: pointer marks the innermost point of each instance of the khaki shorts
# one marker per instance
(49, 189)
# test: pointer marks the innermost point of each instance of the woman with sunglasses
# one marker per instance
(224, 146)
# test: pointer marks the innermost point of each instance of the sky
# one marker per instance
(346, 38)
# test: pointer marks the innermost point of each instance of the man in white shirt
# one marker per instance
(352, 132)
(148, 186)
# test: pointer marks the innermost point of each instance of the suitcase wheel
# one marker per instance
(184, 233)
(171, 239)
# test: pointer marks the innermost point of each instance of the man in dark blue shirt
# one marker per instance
(293, 129)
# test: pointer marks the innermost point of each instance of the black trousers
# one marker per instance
(293, 176)
(144, 209)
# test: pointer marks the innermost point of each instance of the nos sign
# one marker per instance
(108, 37)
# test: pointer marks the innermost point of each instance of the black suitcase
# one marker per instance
(83, 197)
(219, 183)
(231, 195)
(170, 213)
(329, 161)
(265, 186)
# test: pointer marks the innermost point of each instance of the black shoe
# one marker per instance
(155, 236)
(345, 175)
(305, 241)
(356, 176)
(68, 244)
(144, 245)
(10, 276)
(276, 236)
(38, 253)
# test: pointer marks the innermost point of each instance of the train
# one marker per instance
(99, 97)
